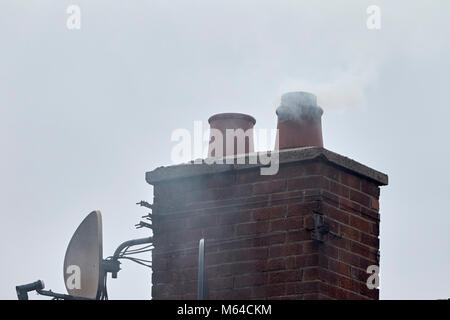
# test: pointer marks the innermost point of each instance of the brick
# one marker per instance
(330, 198)
(374, 204)
(338, 293)
(234, 217)
(370, 213)
(249, 254)
(250, 176)
(370, 293)
(275, 264)
(219, 232)
(231, 204)
(333, 225)
(287, 297)
(359, 249)
(375, 229)
(335, 214)
(186, 274)
(289, 249)
(339, 267)
(241, 294)
(311, 274)
(247, 267)
(162, 290)
(185, 261)
(258, 293)
(302, 235)
(159, 263)
(289, 171)
(294, 223)
(201, 221)
(290, 262)
(269, 240)
(370, 188)
(360, 224)
(330, 171)
(306, 261)
(250, 280)
(370, 240)
(310, 247)
(220, 270)
(163, 277)
(172, 225)
(274, 290)
(309, 222)
(311, 182)
(350, 180)
(330, 278)
(269, 187)
(324, 290)
(301, 209)
(269, 213)
(329, 250)
(365, 263)
(220, 283)
(347, 283)
(349, 258)
(349, 206)
(290, 197)
(307, 287)
(314, 167)
(339, 189)
(220, 294)
(189, 287)
(349, 233)
(252, 228)
(218, 258)
(231, 245)
(291, 288)
(313, 195)
(360, 197)
(285, 276)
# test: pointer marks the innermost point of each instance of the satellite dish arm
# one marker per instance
(131, 243)
(38, 286)
(112, 264)
(59, 296)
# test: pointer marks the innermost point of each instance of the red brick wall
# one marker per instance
(259, 242)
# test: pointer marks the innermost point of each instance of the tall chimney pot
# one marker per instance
(299, 121)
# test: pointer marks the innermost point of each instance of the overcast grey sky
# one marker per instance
(85, 113)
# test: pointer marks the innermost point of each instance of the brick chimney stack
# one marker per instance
(308, 232)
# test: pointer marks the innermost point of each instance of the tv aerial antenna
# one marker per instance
(85, 271)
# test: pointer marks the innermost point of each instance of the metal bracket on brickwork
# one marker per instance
(320, 228)
(143, 224)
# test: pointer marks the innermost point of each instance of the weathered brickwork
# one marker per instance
(259, 233)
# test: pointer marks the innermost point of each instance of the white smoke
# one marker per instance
(343, 89)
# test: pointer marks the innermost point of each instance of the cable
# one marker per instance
(138, 249)
(126, 250)
(135, 252)
(104, 291)
(139, 261)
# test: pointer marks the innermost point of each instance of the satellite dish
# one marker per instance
(83, 260)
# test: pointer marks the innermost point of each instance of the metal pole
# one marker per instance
(201, 270)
